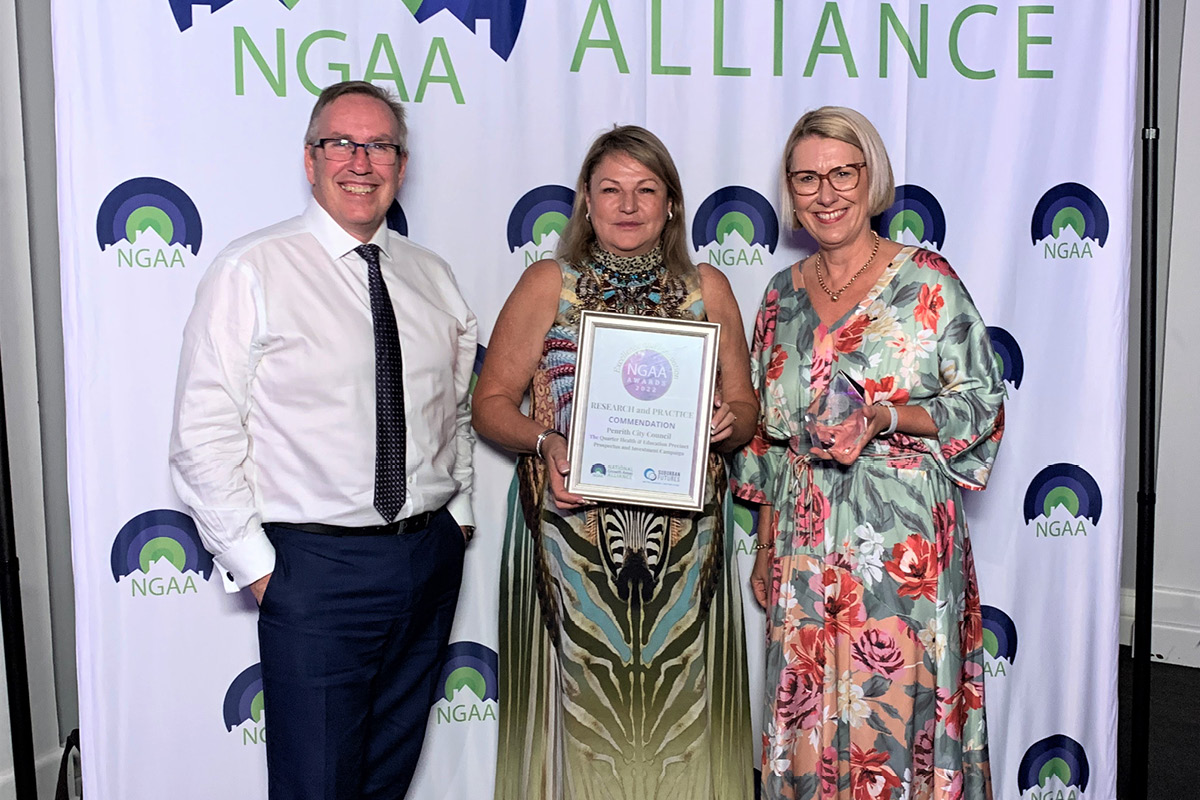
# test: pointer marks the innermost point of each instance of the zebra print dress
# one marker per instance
(622, 653)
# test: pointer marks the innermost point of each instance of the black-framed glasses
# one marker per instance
(806, 182)
(338, 149)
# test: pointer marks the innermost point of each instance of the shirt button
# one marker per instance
(229, 575)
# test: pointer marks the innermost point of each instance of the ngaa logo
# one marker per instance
(155, 217)
(538, 219)
(480, 355)
(396, 220)
(1008, 356)
(734, 223)
(915, 218)
(244, 704)
(999, 641)
(1073, 217)
(470, 685)
(503, 16)
(1066, 486)
(745, 519)
(1053, 769)
(158, 550)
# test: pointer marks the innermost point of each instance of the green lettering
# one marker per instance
(719, 67)
(242, 44)
(586, 43)
(656, 65)
(343, 70)
(778, 38)
(383, 48)
(842, 48)
(887, 17)
(437, 48)
(1024, 41)
(955, 57)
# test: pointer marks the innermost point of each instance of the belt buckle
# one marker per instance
(410, 523)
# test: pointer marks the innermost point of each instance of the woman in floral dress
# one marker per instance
(875, 641)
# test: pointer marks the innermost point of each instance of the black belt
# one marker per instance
(417, 522)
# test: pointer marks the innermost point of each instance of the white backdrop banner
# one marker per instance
(180, 125)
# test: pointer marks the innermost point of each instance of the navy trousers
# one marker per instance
(352, 633)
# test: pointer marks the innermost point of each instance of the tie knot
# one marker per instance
(370, 254)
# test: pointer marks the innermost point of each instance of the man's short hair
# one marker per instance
(331, 93)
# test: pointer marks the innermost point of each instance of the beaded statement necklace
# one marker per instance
(630, 284)
(628, 270)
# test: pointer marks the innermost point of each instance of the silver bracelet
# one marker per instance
(891, 428)
(537, 447)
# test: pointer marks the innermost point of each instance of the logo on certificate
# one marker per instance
(650, 474)
(646, 375)
(598, 469)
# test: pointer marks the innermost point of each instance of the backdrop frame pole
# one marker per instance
(16, 668)
(1148, 409)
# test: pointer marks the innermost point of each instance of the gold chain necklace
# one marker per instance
(835, 295)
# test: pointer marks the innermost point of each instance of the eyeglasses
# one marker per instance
(806, 182)
(382, 153)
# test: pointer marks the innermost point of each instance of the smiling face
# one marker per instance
(832, 218)
(628, 205)
(356, 193)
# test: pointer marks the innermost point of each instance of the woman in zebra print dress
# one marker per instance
(622, 655)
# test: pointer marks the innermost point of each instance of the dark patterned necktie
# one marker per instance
(389, 392)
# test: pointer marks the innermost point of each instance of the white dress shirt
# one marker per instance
(275, 403)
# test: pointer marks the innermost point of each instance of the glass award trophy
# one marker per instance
(835, 417)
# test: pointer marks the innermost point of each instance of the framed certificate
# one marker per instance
(642, 409)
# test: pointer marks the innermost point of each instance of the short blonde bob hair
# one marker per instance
(849, 126)
(647, 149)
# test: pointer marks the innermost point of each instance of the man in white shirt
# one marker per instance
(322, 439)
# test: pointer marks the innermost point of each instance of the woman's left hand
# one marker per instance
(877, 419)
(722, 421)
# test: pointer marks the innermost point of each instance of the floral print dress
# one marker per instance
(875, 641)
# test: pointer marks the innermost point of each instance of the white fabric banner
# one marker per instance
(180, 123)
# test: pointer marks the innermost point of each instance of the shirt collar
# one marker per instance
(336, 241)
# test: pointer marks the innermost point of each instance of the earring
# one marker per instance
(670, 215)
(587, 215)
